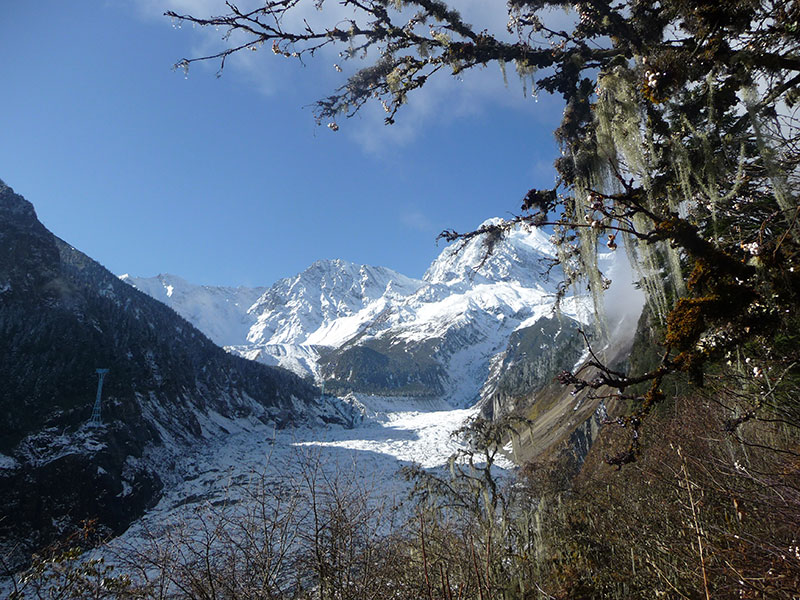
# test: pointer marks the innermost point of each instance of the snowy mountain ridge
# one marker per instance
(372, 330)
(318, 306)
(517, 257)
(219, 312)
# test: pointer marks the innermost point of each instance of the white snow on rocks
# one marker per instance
(483, 296)
(219, 312)
(395, 432)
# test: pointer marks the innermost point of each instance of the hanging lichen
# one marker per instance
(643, 259)
(769, 155)
(502, 65)
(588, 234)
(526, 72)
(625, 141)
(618, 123)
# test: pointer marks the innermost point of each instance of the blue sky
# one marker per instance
(228, 180)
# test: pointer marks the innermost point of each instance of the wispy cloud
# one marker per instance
(623, 301)
(446, 99)
(255, 68)
(416, 220)
(156, 8)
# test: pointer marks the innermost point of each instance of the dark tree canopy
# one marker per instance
(679, 136)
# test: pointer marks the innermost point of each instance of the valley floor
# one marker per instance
(395, 432)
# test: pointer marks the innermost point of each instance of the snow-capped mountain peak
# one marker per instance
(372, 330)
(302, 309)
(519, 255)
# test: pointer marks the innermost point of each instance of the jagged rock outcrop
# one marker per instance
(533, 357)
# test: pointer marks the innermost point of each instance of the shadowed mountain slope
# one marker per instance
(62, 315)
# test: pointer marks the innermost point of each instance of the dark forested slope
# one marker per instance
(62, 316)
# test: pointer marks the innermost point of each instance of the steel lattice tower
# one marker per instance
(95, 419)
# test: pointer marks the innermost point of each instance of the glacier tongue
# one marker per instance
(230, 471)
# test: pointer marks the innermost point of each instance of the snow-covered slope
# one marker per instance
(325, 304)
(219, 312)
(520, 257)
(372, 330)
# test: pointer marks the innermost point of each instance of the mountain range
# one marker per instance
(480, 326)
(482, 321)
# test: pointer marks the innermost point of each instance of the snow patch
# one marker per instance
(8, 463)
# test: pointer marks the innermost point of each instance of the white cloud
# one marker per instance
(416, 220)
(623, 301)
(447, 99)
(157, 8)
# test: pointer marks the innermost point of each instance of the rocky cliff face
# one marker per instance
(62, 315)
(533, 357)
